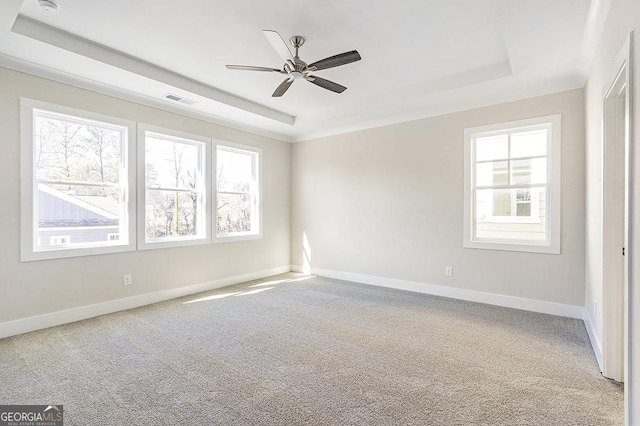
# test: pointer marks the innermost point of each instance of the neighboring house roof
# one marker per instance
(107, 204)
(60, 209)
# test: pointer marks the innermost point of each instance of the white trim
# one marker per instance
(541, 306)
(632, 411)
(615, 181)
(55, 37)
(617, 337)
(76, 228)
(37, 70)
(624, 64)
(236, 237)
(553, 203)
(596, 18)
(28, 240)
(25, 325)
(181, 137)
(593, 338)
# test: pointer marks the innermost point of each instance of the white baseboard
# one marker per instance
(533, 305)
(593, 337)
(25, 325)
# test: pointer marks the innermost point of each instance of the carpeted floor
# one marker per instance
(300, 350)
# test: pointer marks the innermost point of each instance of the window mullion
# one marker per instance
(494, 160)
(509, 170)
(171, 189)
(236, 193)
(77, 183)
(515, 186)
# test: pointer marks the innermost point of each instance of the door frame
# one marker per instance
(617, 217)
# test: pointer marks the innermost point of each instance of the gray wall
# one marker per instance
(34, 288)
(388, 202)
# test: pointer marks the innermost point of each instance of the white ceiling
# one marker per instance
(419, 57)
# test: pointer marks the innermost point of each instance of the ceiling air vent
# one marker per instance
(177, 98)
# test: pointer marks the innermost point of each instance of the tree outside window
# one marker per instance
(237, 187)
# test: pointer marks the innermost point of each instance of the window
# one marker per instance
(75, 182)
(59, 240)
(512, 186)
(237, 184)
(78, 191)
(173, 169)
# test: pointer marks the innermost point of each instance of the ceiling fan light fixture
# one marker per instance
(296, 69)
(49, 5)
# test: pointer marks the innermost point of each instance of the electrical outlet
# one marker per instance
(595, 308)
(448, 271)
(127, 280)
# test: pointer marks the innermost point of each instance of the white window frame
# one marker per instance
(236, 236)
(143, 242)
(29, 195)
(553, 199)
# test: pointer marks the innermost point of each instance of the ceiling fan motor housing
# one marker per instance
(49, 5)
(297, 68)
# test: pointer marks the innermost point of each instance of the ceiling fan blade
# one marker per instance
(252, 68)
(326, 84)
(279, 45)
(284, 86)
(336, 60)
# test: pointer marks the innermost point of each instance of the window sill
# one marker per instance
(172, 242)
(63, 253)
(236, 237)
(529, 247)
(497, 219)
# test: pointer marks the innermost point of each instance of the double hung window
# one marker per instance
(238, 192)
(173, 204)
(512, 186)
(76, 182)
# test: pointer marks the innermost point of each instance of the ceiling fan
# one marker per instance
(295, 68)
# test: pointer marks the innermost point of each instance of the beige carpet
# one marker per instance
(290, 350)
